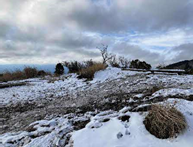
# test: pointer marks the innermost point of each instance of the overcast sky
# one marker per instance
(50, 31)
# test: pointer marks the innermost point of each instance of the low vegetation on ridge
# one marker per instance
(26, 73)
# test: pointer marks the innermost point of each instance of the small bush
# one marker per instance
(30, 72)
(165, 121)
(88, 63)
(6, 77)
(9, 76)
(59, 70)
(140, 64)
(42, 73)
(18, 75)
(89, 72)
(75, 66)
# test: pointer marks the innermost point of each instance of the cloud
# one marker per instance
(53, 30)
(101, 16)
(135, 52)
(138, 15)
(182, 52)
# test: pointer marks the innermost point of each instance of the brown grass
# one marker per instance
(9, 76)
(28, 72)
(89, 72)
(165, 121)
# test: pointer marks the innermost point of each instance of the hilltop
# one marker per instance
(186, 64)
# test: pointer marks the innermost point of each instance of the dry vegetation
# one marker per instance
(165, 121)
(10, 76)
(89, 72)
(28, 72)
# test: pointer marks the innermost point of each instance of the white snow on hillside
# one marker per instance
(134, 132)
(112, 73)
(104, 128)
(38, 89)
(104, 134)
(173, 92)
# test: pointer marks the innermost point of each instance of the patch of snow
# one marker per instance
(137, 135)
(173, 92)
(111, 73)
(40, 89)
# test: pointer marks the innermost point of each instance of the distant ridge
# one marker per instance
(186, 64)
(14, 67)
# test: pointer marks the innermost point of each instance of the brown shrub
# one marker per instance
(89, 72)
(8, 76)
(18, 75)
(165, 121)
(30, 72)
(41, 73)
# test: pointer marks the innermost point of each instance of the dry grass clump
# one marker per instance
(89, 72)
(165, 121)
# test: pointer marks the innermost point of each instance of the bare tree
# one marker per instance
(104, 52)
(113, 61)
(124, 61)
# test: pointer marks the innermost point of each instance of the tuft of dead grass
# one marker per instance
(165, 121)
(89, 72)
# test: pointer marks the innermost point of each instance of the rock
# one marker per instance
(119, 135)
(127, 132)
(31, 128)
(80, 124)
(124, 118)
(105, 120)
(95, 125)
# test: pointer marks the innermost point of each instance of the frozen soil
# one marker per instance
(112, 89)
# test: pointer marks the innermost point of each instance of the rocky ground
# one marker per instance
(46, 107)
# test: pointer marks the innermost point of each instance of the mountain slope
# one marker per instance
(186, 64)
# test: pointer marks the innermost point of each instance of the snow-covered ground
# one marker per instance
(44, 89)
(37, 89)
(100, 133)
(40, 89)
(134, 132)
(103, 128)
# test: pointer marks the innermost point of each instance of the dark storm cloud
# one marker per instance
(139, 15)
